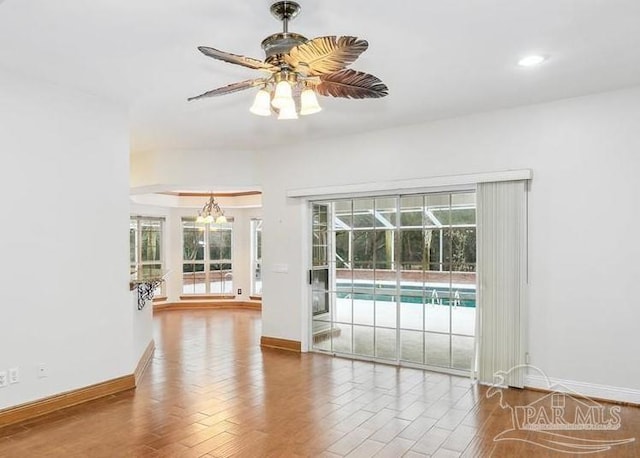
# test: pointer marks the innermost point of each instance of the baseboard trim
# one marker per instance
(280, 344)
(60, 401)
(600, 393)
(207, 305)
(144, 362)
(209, 297)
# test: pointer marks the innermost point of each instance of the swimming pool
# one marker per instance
(436, 294)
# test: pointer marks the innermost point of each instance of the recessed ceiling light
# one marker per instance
(531, 61)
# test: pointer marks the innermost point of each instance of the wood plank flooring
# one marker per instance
(211, 391)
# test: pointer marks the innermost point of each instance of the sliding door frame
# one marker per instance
(396, 263)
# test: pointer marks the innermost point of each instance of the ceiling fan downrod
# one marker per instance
(285, 11)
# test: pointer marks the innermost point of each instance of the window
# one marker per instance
(206, 258)
(145, 248)
(256, 257)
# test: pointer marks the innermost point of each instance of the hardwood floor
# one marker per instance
(211, 391)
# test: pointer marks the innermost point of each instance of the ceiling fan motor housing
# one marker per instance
(281, 43)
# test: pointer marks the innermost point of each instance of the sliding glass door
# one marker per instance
(400, 279)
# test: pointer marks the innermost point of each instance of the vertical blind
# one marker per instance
(502, 278)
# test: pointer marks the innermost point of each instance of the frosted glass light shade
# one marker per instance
(288, 111)
(282, 95)
(309, 102)
(200, 219)
(261, 104)
(221, 219)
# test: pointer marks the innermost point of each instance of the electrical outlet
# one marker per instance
(14, 375)
(3, 379)
(43, 371)
(239, 291)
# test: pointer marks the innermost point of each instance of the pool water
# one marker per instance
(412, 294)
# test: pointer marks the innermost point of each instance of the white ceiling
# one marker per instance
(439, 59)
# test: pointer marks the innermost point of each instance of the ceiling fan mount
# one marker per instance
(298, 68)
(285, 10)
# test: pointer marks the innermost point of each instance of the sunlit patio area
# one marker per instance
(439, 335)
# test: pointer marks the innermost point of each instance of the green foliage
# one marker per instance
(219, 244)
(418, 245)
(193, 244)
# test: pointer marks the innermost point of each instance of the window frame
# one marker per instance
(370, 266)
(137, 264)
(256, 256)
(206, 262)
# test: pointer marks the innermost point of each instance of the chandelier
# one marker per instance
(211, 213)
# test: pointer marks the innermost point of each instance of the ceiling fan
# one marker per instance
(297, 68)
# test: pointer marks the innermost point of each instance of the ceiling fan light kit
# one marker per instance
(298, 69)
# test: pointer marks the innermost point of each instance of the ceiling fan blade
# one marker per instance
(235, 87)
(351, 84)
(325, 54)
(249, 62)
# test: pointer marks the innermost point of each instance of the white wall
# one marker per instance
(142, 326)
(64, 181)
(584, 312)
(228, 170)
